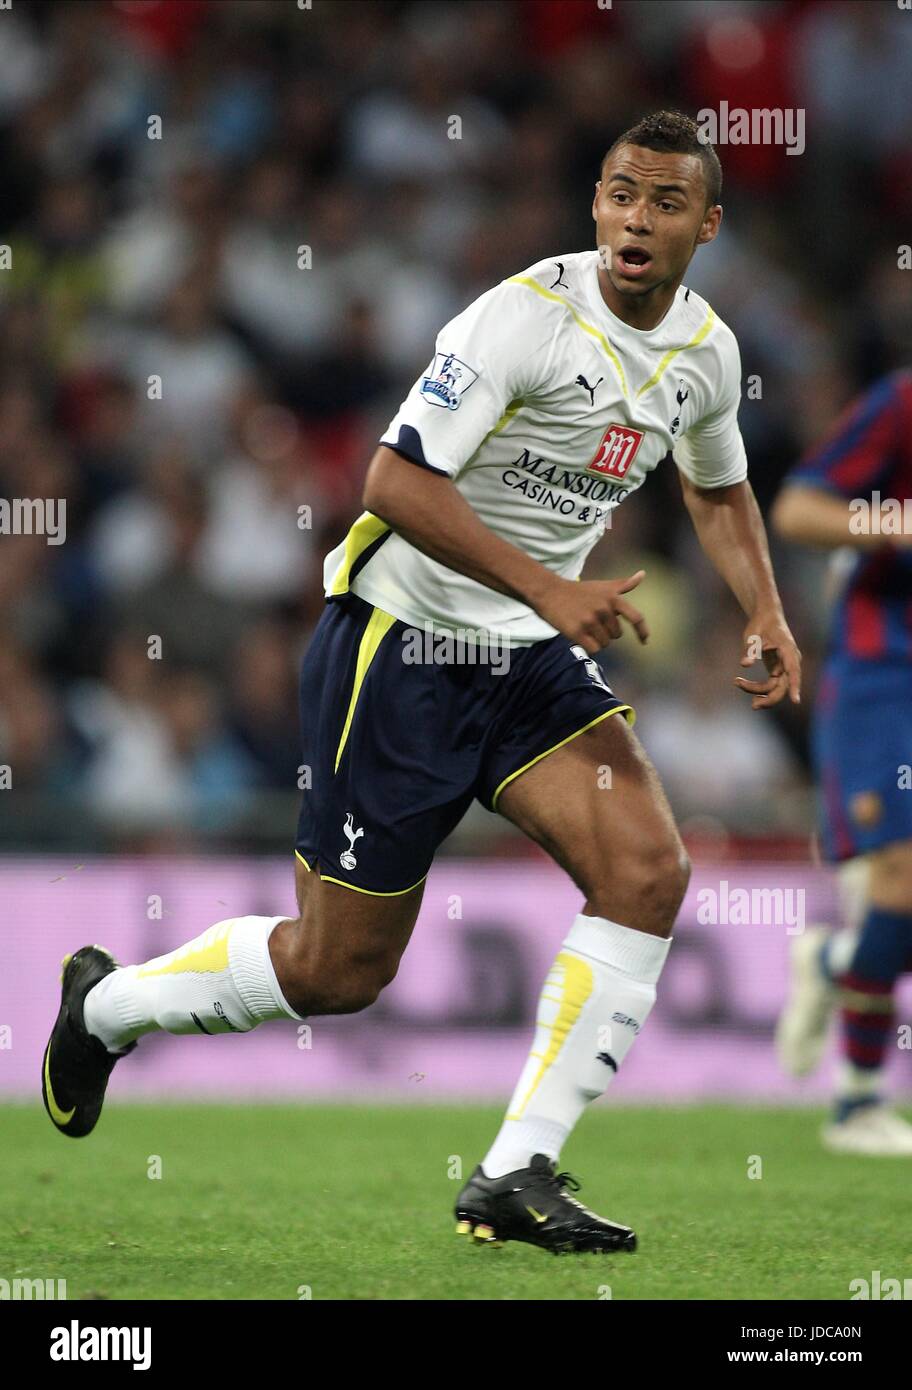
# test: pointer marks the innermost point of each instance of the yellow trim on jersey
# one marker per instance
(372, 892)
(367, 529)
(378, 626)
(210, 958)
(577, 319)
(507, 416)
(619, 709)
(572, 975)
(673, 352)
(304, 861)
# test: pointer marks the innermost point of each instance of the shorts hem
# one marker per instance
(354, 887)
(374, 892)
(606, 714)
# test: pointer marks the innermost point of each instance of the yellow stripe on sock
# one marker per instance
(208, 959)
(573, 976)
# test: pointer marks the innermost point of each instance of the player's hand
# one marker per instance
(771, 639)
(588, 612)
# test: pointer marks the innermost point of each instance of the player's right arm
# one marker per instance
(428, 511)
(819, 503)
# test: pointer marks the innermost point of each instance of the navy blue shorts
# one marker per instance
(396, 749)
(862, 745)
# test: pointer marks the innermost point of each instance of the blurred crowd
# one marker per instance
(234, 230)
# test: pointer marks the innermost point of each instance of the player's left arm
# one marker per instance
(712, 465)
(731, 533)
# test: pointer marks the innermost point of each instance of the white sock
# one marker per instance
(221, 982)
(839, 950)
(598, 995)
(858, 1083)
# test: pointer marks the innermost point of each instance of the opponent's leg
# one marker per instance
(865, 981)
(817, 955)
(622, 849)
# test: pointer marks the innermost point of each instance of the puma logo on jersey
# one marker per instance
(560, 279)
(581, 381)
(346, 858)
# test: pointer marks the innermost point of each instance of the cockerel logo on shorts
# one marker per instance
(346, 858)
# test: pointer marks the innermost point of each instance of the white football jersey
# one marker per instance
(547, 411)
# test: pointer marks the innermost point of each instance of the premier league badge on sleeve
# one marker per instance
(447, 380)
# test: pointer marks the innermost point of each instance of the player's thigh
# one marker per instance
(596, 805)
(890, 880)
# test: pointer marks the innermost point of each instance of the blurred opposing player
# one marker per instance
(547, 402)
(850, 492)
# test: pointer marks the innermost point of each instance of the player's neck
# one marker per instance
(642, 311)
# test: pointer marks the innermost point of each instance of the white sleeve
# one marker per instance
(711, 452)
(484, 358)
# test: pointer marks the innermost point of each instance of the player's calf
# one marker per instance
(335, 957)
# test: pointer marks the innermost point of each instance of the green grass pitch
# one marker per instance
(354, 1202)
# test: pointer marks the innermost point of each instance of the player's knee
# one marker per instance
(663, 871)
(653, 880)
(678, 877)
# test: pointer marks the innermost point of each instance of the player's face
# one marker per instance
(650, 214)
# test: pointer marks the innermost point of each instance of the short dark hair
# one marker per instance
(671, 132)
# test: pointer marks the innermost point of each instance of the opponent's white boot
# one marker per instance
(873, 1130)
(801, 1033)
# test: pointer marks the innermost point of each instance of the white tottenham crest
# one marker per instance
(346, 858)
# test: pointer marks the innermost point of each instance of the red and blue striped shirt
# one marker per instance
(870, 450)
